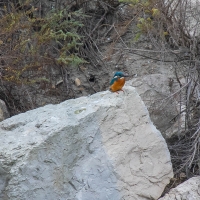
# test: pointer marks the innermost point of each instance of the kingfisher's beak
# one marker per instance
(130, 75)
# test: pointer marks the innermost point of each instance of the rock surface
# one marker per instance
(102, 147)
(156, 91)
(189, 190)
(4, 114)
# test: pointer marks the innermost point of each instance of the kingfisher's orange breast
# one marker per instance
(118, 84)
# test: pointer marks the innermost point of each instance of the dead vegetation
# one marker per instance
(42, 42)
(183, 26)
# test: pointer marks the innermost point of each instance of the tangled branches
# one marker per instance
(184, 150)
(185, 153)
(183, 25)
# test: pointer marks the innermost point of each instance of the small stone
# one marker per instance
(77, 82)
(188, 190)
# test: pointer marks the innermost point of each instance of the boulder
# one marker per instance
(189, 190)
(4, 114)
(91, 148)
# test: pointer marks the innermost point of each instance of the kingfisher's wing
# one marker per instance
(113, 80)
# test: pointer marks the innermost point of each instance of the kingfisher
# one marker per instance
(117, 82)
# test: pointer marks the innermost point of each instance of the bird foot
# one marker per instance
(119, 90)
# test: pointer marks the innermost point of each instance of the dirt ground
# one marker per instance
(121, 58)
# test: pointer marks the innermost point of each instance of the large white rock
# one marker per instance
(189, 190)
(102, 147)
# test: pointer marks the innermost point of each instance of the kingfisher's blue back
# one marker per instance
(117, 82)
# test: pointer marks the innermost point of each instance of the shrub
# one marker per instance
(30, 44)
